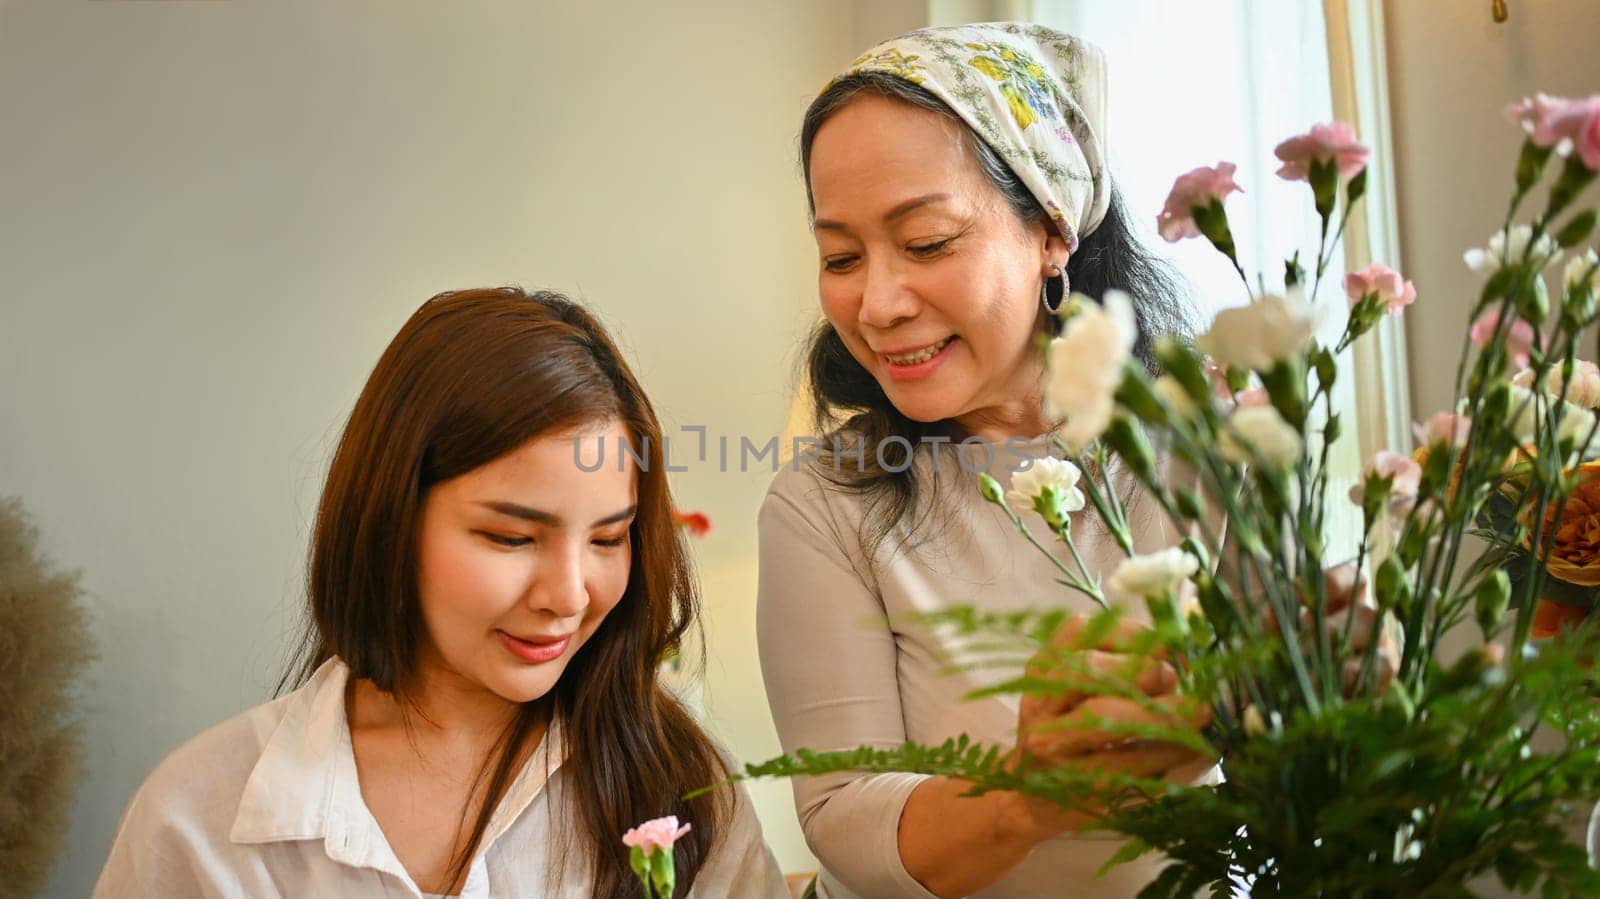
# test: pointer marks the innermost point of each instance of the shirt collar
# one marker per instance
(306, 769)
(305, 784)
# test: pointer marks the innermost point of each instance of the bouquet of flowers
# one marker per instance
(1349, 772)
(1571, 589)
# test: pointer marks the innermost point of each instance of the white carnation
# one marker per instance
(1153, 574)
(1031, 482)
(1172, 392)
(1502, 251)
(1584, 388)
(1583, 269)
(1262, 430)
(1524, 417)
(1086, 364)
(1261, 334)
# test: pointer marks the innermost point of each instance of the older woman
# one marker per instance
(958, 186)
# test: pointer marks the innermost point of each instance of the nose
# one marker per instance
(886, 298)
(558, 584)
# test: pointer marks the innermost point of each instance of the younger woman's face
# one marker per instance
(926, 272)
(522, 559)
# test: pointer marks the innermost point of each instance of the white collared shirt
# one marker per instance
(268, 804)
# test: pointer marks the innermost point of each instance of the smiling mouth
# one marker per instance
(920, 356)
(540, 650)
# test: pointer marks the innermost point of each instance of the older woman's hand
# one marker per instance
(1347, 598)
(1069, 729)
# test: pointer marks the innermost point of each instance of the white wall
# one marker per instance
(213, 216)
(1452, 70)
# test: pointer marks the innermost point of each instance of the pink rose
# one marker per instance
(1519, 337)
(660, 833)
(1378, 278)
(1443, 427)
(1565, 124)
(1335, 140)
(1196, 188)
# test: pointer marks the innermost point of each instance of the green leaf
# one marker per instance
(1127, 853)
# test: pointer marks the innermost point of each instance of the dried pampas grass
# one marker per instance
(44, 640)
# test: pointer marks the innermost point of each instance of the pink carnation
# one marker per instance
(660, 833)
(1519, 338)
(1443, 427)
(1196, 188)
(1335, 140)
(1251, 397)
(1396, 292)
(1565, 124)
(1404, 476)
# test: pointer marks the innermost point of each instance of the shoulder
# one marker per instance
(175, 831)
(227, 753)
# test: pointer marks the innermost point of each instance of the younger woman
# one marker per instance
(479, 713)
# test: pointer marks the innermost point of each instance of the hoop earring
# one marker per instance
(1054, 291)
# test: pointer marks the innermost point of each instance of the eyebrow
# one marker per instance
(550, 519)
(900, 211)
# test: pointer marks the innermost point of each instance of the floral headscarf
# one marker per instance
(1035, 95)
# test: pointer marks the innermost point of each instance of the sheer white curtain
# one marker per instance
(1193, 84)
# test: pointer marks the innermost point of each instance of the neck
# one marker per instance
(1024, 418)
(1020, 410)
(443, 706)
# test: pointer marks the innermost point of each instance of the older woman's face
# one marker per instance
(927, 274)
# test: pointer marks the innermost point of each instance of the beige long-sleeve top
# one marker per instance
(846, 664)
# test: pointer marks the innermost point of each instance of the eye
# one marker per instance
(838, 264)
(611, 542)
(506, 540)
(928, 250)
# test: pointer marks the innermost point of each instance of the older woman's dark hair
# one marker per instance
(848, 403)
(472, 376)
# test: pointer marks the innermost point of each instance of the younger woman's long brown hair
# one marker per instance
(473, 375)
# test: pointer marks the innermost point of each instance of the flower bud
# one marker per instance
(1127, 438)
(1493, 595)
(991, 490)
(1576, 230)
(1180, 361)
(1190, 505)
(1530, 165)
(1393, 588)
(1254, 725)
(1135, 395)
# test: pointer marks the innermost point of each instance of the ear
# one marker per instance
(1053, 248)
(1056, 248)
